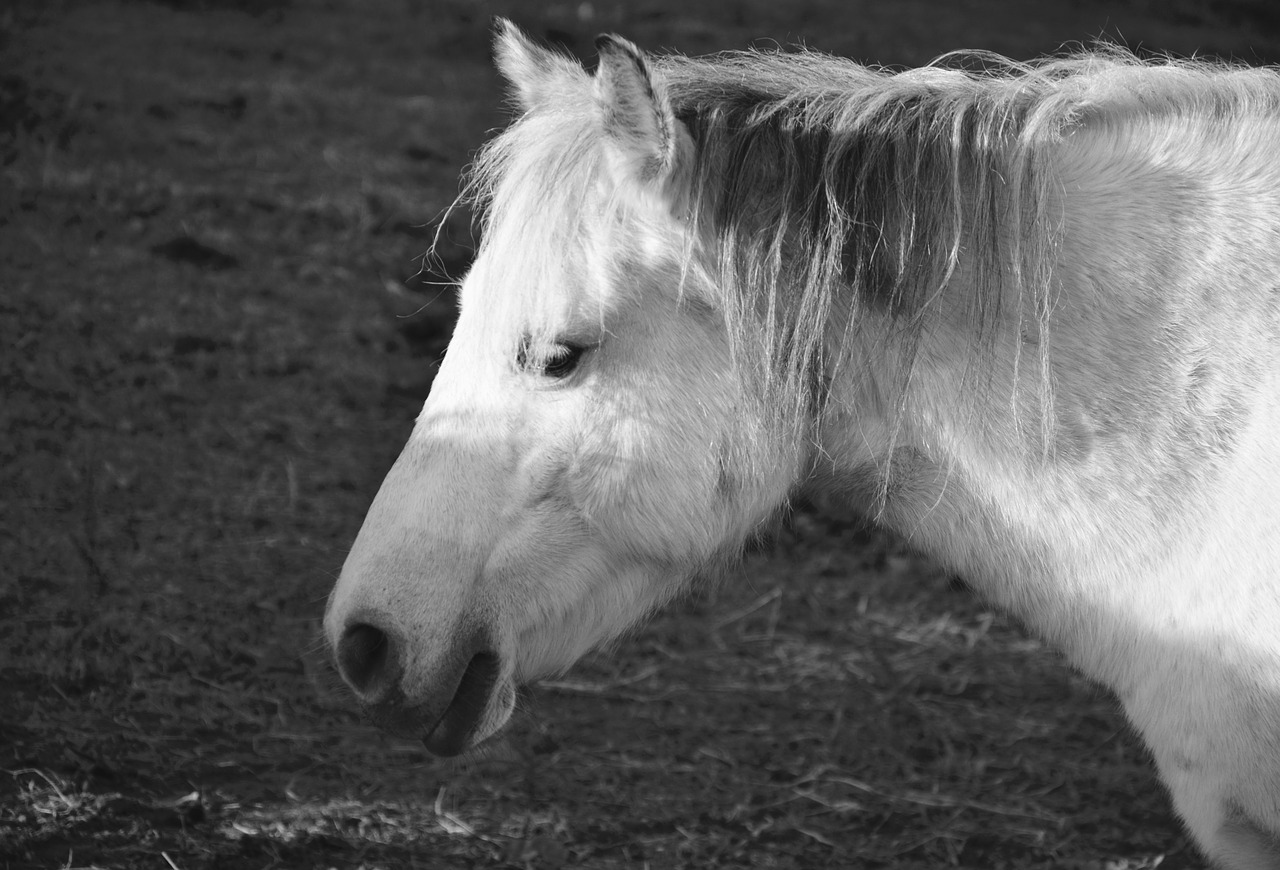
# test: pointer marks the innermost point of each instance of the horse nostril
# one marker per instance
(368, 661)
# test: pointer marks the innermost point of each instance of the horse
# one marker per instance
(1026, 315)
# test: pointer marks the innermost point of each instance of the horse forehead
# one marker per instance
(555, 280)
(513, 285)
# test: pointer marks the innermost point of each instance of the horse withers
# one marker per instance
(1028, 317)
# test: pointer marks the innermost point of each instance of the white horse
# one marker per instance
(1027, 317)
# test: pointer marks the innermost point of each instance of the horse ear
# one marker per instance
(649, 146)
(535, 74)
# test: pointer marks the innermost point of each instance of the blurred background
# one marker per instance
(217, 325)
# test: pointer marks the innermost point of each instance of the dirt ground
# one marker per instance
(214, 337)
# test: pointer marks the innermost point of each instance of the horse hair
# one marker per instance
(828, 188)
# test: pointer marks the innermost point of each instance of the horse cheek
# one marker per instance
(644, 492)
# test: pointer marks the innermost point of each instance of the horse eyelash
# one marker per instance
(560, 363)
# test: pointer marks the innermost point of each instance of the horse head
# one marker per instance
(589, 444)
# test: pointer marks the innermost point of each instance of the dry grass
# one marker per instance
(203, 378)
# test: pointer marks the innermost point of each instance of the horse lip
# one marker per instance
(457, 728)
(395, 717)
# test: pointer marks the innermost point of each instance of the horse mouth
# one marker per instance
(461, 724)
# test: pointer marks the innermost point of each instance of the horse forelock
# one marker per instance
(527, 186)
(554, 225)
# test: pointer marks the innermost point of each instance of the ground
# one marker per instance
(214, 336)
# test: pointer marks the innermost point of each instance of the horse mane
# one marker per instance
(825, 188)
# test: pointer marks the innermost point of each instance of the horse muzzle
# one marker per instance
(451, 700)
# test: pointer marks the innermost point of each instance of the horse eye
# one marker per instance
(559, 363)
(563, 360)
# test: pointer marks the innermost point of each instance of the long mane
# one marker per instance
(827, 189)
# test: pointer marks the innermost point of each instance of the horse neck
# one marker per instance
(1164, 344)
(939, 437)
